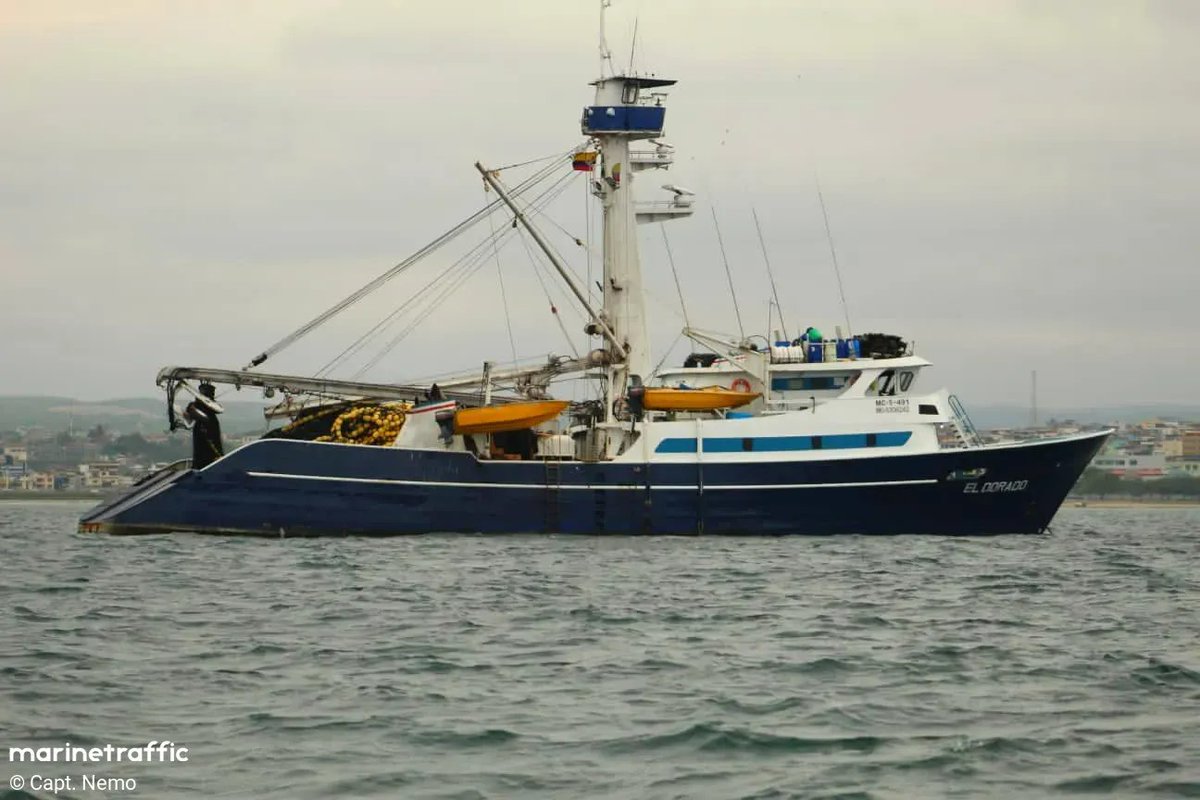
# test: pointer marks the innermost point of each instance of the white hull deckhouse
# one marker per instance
(807, 436)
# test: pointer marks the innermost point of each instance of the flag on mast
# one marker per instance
(584, 161)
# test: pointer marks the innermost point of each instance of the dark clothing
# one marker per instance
(206, 434)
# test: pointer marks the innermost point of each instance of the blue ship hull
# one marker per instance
(290, 488)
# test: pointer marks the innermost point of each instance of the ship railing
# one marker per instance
(685, 201)
(175, 466)
(808, 403)
(962, 423)
(651, 156)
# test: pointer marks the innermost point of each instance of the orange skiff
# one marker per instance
(709, 399)
(510, 417)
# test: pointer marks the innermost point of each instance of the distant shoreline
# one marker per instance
(32, 494)
(1128, 502)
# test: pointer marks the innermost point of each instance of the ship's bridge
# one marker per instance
(627, 105)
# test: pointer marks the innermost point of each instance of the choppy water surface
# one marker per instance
(557, 667)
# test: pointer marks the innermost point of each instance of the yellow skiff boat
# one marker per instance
(510, 417)
(708, 399)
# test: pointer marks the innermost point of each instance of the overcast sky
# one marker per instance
(1011, 184)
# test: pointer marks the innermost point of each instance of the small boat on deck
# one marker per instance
(710, 398)
(508, 417)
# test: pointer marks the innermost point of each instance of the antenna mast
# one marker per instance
(771, 275)
(633, 46)
(728, 274)
(837, 271)
(605, 53)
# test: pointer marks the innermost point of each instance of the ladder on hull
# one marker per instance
(962, 424)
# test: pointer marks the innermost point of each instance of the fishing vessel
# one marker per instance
(751, 435)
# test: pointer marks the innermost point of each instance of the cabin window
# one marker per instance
(885, 384)
(629, 94)
(926, 408)
(890, 383)
(810, 383)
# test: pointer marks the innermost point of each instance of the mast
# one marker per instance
(625, 109)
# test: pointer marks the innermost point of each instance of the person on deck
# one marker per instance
(206, 428)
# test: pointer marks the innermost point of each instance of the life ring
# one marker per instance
(741, 385)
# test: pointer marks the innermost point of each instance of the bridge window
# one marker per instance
(810, 383)
(891, 382)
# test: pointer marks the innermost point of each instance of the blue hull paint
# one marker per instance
(279, 487)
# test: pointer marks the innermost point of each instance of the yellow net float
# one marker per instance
(369, 425)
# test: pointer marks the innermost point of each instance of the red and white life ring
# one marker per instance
(741, 385)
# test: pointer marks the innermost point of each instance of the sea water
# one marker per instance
(561, 667)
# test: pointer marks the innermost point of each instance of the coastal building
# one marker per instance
(12, 477)
(1179, 466)
(1190, 444)
(1132, 465)
(100, 474)
(41, 481)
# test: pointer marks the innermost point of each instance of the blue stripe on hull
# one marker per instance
(279, 487)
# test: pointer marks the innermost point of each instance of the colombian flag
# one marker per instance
(584, 161)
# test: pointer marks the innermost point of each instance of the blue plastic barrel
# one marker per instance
(814, 352)
(843, 348)
(856, 347)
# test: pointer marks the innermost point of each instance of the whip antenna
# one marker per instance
(833, 253)
(770, 275)
(728, 274)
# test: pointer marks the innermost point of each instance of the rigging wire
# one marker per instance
(728, 274)
(675, 274)
(579, 242)
(512, 342)
(444, 292)
(394, 316)
(558, 187)
(837, 271)
(553, 308)
(467, 266)
(532, 161)
(379, 281)
(771, 275)
(446, 284)
(666, 355)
